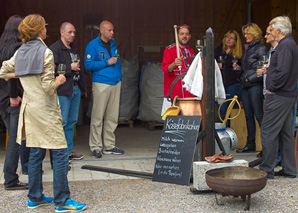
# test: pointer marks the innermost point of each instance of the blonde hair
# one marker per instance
(253, 29)
(237, 49)
(30, 27)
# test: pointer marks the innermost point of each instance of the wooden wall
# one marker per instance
(148, 22)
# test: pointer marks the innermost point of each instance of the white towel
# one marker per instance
(193, 80)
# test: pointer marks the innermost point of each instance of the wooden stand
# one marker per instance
(239, 126)
(151, 125)
(129, 122)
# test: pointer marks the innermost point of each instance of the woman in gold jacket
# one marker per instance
(40, 118)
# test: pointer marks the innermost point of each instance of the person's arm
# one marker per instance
(283, 69)
(169, 62)
(48, 82)
(92, 61)
(8, 69)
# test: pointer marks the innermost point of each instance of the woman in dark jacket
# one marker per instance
(228, 56)
(10, 97)
(252, 86)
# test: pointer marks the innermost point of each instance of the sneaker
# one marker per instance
(71, 205)
(75, 156)
(44, 201)
(115, 151)
(17, 186)
(96, 153)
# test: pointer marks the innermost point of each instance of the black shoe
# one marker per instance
(96, 153)
(269, 176)
(244, 150)
(115, 151)
(282, 173)
(259, 155)
(17, 186)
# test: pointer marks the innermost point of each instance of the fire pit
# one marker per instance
(236, 181)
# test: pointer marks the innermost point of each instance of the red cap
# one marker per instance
(183, 26)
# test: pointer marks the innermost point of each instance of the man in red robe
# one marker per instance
(170, 62)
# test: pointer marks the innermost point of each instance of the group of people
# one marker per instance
(34, 95)
(39, 104)
(247, 72)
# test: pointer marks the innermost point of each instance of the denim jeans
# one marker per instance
(231, 91)
(252, 100)
(24, 155)
(69, 106)
(60, 170)
(10, 117)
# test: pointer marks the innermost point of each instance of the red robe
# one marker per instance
(169, 56)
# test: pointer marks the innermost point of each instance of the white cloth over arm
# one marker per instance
(193, 81)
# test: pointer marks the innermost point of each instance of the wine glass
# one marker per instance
(234, 59)
(75, 58)
(199, 45)
(61, 69)
(116, 54)
(259, 65)
(220, 59)
(265, 61)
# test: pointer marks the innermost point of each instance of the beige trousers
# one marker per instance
(104, 115)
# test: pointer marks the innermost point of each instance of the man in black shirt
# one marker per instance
(65, 52)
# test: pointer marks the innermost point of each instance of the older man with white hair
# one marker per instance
(281, 82)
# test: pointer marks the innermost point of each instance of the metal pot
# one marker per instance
(236, 181)
(189, 106)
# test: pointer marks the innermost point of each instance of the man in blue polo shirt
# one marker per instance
(101, 58)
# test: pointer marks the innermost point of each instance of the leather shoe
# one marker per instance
(259, 155)
(282, 173)
(244, 150)
(269, 176)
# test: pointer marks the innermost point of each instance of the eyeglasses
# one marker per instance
(230, 38)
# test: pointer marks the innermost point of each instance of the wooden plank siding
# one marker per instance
(149, 22)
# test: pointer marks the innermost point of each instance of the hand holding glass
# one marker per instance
(61, 69)
(220, 59)
(117, 54)
(234, 60)
(259, 65)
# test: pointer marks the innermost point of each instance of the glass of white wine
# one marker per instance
(234, 59)
(199, 45)
(265, 61)
(75, 58)
(61, 69)
(259, 65)
(220, 59)
(116, 54)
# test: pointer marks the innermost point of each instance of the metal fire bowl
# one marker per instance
(236, 180)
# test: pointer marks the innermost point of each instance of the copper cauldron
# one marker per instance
(189, 106)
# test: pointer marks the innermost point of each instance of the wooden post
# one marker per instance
(296, 150)
(203, 105)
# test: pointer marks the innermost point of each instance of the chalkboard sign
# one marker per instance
(176, 149)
